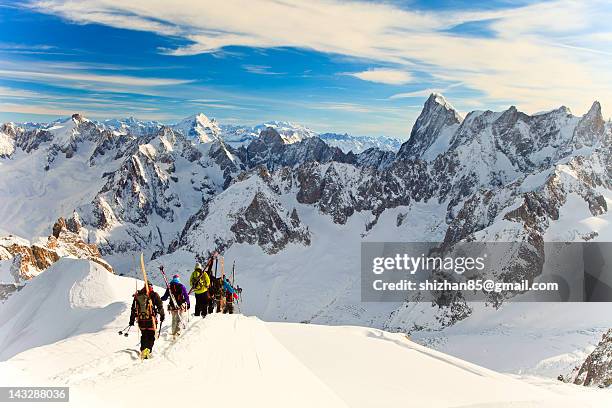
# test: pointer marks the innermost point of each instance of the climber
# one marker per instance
(145, 308)
(176, 291)
(230, 295)
(216, 295)
(200, 282)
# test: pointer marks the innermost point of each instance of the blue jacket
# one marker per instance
(227, 287)
(177, 287)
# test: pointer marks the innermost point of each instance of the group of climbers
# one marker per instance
(210, 292)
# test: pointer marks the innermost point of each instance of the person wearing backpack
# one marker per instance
(178, 311)
(145, 307)
(216, 292)
(230, 295)
(200, 282)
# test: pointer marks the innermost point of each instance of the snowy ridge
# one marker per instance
(358, 144)
(270, 363)
(202, 129)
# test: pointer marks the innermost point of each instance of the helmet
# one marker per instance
(175, 276)
(198, 265)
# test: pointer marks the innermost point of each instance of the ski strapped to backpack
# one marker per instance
(144, 306)
(173, 301)
(206, 269)
(172, 297)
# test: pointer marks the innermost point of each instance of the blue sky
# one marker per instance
(357, 67)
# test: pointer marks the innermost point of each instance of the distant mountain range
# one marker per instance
(202, 129)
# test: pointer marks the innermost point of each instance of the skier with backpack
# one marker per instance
(216, 293)
(230, 295)
(200, 282)
(176, 291)
(145, 307)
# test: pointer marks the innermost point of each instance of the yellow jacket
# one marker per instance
(199, 281)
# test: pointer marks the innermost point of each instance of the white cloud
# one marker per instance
(384, 76)
(34, 109)
(101, 79)
(260, 70)
(527, 61)
(416, 94)
(18, 93)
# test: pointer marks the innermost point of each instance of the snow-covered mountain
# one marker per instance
(131, 125)
(433, 130)
(199, 128)
(202, 129)
(238, 135)
(293, 213)
(358, 144)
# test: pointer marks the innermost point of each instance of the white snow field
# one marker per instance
(61, 330)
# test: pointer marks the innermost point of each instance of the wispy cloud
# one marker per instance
(34, 109)
(18, 93)
(527, 59)
(384, 76)
(346, 107)
(416, 94)
(217, 104)
(86, 77)
(260, 70)
(4, 46)
(354, 108)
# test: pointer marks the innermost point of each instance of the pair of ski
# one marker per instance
(149, 301)
(207, 269)
(173, 302)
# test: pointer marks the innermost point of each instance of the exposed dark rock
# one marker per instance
(597, 368)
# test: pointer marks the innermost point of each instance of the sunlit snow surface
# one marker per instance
(73, 311)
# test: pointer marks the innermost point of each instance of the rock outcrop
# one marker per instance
(597, 368)
(29, 259)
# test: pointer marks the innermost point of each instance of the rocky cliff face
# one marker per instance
(432, 130)
(247, 212)
(597, 368)
(29, 259)
(271, 150)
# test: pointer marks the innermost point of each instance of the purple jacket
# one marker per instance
(179, 291)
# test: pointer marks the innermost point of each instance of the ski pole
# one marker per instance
(124, 330)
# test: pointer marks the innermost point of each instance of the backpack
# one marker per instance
(144, 308)
(176, 291)
(198, 280)
(216, 286)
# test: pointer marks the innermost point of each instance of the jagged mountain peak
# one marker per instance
(271, 136)
(78, 118)
(432, 130)
(561, 110)
(199, 127)
(436, 98)
(590, 129)
(596, 106)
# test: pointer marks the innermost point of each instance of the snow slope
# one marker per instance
(541, 339)
(72, 313)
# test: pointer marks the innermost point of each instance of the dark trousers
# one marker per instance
(229, 308)
(201, 307)
(211, 306)
(147, 339)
